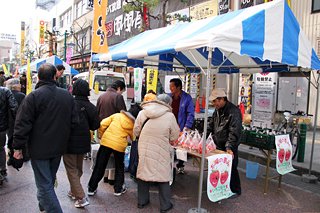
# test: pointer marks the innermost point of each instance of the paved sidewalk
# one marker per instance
(302, 167)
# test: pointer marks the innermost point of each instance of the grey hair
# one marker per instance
(12, 83)
(165, 98)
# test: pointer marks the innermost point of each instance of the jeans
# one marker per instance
(3, 156)
(45, 175)
(101, 164)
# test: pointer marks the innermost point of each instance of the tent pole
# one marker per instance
(204, 135)
(314, 124)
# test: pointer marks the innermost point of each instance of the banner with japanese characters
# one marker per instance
(219, 175)
(152, 79)
(138, 73)
(41, 32)
(22, 43)
(284, 154)
(99, 38)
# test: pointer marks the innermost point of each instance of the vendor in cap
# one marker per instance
(226, 128)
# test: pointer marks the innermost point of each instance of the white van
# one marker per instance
(105, 79)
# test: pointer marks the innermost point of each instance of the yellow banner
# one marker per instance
(5, 69)
(41, 32)
(28, 77)
(204, 10)
(99, 38)
(22, 43)
(152, 80)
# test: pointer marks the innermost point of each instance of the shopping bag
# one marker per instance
(134, 158)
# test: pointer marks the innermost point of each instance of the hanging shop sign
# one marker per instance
(194, 85)
(223, 6)
(7, 36)
(204, 10)
(246, 3)
(183, 13)
(22, 43)
(120, 25)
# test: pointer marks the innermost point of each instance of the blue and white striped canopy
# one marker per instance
(263, 38)
(34, 66)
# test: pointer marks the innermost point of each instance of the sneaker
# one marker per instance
(81, 202)
(70, 194)
(91, 192)
(181, 170)
(111, 182)
(123, 190)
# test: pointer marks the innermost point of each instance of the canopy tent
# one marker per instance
(51, 60)
(263, 38)
(266, 36)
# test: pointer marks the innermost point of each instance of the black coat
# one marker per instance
(44, 121)
(7, 102)
(80, 138)
(226, 127)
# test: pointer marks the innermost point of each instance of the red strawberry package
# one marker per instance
(210, 145)
(181, 139)
(200, 145)
(194, 146)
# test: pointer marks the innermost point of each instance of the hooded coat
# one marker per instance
(154, 141)
(115, 129)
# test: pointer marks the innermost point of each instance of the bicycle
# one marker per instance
(295, 133)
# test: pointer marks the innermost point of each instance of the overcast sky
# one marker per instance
(12, 12)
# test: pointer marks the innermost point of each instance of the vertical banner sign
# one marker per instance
(171, 164)
(152, 79)
(99, 38)
(138, 72)
(91, 79)
(284, 154)
(69, 55)
(5, 69)
(223, 6)
(204, 10)
(28, 77)
(22, 43)
(219, 175)
(41, 32)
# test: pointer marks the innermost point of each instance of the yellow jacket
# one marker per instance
(115, 129)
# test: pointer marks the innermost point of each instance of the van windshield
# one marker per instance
(106, 81)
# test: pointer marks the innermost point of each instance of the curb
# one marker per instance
(263, 160)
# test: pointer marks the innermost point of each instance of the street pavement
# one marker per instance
(18, 194)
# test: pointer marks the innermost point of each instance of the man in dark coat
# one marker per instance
(112, 101)
(7, 103)
(15, 87)
(59, 74)
(226, 127)
(44, 122)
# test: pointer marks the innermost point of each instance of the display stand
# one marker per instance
(267, 154)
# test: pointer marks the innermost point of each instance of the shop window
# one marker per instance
(315, 6)
(105, 81)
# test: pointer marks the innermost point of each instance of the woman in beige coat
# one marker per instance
(154, 149)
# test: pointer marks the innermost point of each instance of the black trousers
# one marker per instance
(101, 164)
(235, 184)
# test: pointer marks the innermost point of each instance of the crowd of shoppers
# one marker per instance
(32, 122)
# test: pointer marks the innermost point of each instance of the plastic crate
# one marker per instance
(262, 140)
(244, 136)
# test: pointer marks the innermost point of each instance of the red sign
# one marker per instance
(79, 60)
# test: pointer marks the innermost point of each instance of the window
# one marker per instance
(106, 81)
(65, 18)
(61, 20)
(80, 8)
(315, 6)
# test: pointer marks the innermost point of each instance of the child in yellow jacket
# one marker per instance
(113, 132)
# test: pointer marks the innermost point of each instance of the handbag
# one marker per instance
(134, 157)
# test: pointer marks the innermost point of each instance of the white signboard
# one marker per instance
(284, 154)
(263, 102)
